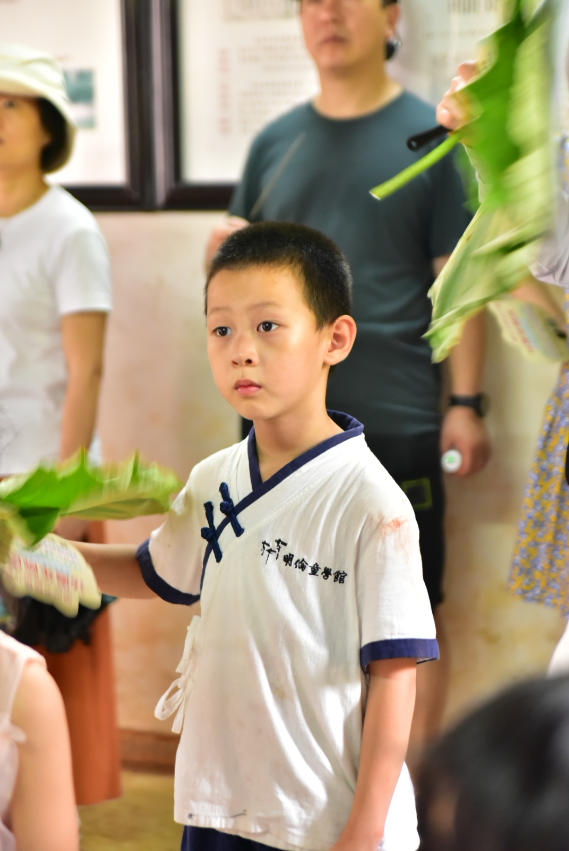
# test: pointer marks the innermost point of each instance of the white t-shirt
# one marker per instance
(53, 261)
(325, 577)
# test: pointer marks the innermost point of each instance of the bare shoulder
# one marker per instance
(38, 705)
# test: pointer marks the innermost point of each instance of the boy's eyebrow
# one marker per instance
(261, 304)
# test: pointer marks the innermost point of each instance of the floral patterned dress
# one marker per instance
(540, 568)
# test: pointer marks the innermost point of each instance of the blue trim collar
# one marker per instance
(351, 428)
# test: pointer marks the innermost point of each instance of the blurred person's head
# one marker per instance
(341, 35)
(499, 780)
(36, 126)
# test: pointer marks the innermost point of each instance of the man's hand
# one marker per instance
(464, 430)
(220, 233)
(450, 112)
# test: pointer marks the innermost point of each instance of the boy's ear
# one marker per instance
(341, 336)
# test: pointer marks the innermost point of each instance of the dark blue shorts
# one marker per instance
(208, 839)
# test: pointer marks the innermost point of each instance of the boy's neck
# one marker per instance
(355, 92)
(283, 439)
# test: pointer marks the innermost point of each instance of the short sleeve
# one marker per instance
(450, 217)
(82, 278)
(249, 187)
(171, 560)
(395, 614)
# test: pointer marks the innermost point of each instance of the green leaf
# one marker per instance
(508, 140)
(31, 504)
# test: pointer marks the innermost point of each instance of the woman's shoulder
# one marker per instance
(66, 212)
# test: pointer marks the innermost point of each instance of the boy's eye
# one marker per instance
(222, 331)
(265, 327)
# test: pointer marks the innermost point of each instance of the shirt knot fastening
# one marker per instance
(227, 508)
(209, 532)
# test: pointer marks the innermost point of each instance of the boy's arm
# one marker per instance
(387, 723)
(116, 569)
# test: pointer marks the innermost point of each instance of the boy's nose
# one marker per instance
(244, 352)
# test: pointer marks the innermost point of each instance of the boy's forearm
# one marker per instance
(387, 723)
(116, 569)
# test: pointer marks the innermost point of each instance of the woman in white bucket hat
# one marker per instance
(55, 294)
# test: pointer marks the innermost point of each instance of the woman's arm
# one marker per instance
(540, 294)
(44, 816)
(387, 723)
(83, 337)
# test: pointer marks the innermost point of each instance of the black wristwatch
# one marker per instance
(480, 402)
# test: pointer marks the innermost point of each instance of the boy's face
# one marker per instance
(341, 34)
(266, 354)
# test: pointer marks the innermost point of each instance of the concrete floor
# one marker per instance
(142, 820)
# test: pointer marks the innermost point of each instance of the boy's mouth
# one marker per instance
(246, 387)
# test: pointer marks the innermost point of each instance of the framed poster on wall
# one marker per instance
(436, 37)
(230, 66)
(100, 46)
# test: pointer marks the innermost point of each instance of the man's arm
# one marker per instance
(462, 428)
(219, 234)
(116, 569)
(387, 723)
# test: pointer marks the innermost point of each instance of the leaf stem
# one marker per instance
(391, 186)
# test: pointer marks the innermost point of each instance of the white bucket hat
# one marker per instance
(31, 73)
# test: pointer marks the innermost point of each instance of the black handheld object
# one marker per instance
(414, 143)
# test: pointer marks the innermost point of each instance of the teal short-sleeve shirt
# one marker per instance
(388, 382)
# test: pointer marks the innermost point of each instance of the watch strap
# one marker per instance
(479, 402)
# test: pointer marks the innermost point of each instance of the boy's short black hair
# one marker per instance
(53, 123)
(318, 263)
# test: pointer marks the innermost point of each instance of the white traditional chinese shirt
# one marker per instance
(303, 580)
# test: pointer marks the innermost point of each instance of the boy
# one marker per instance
(349, 138)
(308, 572)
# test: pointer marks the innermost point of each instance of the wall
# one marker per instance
(158, 396)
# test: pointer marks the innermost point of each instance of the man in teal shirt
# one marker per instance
(315, 165)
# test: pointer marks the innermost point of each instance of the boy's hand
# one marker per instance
(450, 112)
(220, 233)
(348, 842)
(53, 572)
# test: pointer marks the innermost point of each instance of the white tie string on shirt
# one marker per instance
(170, 703)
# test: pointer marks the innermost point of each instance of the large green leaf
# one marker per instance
(508, 140)
(31, 504)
